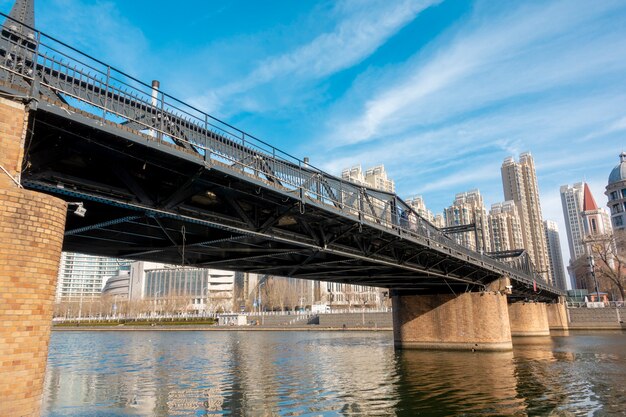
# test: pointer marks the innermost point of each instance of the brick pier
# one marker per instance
(31, 237)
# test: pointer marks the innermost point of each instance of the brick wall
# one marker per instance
(528, 319)
(12, 136)
(31, 237)
(478, 321)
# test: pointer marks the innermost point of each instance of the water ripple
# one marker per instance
(328, 374)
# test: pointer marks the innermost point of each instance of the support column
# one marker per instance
(528, 319)
(31, 236)
(557, 315)
(469, 321)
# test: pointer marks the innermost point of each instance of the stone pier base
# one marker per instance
(469, 321)
(528, 319)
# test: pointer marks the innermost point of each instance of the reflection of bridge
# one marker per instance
(161, 180)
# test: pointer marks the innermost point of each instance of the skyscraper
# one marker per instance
(572, 202)
(519, 182)
(505, 230)
(554, 254)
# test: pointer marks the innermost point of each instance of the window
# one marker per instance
(613, 195)
(623, 192)
(618, 221)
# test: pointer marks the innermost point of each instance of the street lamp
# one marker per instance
(592, 266)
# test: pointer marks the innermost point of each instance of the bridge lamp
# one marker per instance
(80, 209)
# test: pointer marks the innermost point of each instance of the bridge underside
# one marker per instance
(158, 203)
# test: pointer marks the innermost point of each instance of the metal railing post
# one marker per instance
(34, 87)
(106, 94)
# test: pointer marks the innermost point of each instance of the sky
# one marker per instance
(439, 91)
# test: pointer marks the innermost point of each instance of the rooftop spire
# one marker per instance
(588, 201)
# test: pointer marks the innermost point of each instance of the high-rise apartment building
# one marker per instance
(505, 230)
(554, 254)
(572, 202)
(417, 204)
(375, 177)
(519, 182)
(469, 208)
(82, 277)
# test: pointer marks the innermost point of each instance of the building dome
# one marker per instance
(619, 172)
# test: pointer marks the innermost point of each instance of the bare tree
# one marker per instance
(279, 293)
(610, 267)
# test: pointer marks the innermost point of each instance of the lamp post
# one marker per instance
(592, 267)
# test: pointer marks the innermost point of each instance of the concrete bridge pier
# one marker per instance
(475, 321)
(31, 236)
(528, 319)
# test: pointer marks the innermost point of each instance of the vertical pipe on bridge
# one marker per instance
(31, 237)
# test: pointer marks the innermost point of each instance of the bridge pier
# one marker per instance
(557, 315)
(468, 321)
(31, 237)
(528, 319)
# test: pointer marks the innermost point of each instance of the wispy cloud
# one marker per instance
(506, 56)
(362, 27)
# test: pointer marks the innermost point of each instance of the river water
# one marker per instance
(186, 373)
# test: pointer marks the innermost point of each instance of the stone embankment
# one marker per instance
(608, 318)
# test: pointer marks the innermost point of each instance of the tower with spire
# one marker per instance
(595, 220)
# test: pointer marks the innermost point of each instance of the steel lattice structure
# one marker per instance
(164, 181)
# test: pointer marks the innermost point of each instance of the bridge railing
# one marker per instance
(48, 69)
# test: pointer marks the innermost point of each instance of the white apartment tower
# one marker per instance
(469, 208)
(82, 277)
(519, 182)
(375, 177)
(572, 202)
(554, 253)
(417, 204)
(505, 230)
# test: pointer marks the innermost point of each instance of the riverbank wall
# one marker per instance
(609, 318)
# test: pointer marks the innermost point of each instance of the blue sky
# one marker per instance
(438, 91)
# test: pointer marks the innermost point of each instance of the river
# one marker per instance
(185, 373)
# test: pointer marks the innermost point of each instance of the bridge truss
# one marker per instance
(162, 180)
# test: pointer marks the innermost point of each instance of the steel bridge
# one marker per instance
(163, 181)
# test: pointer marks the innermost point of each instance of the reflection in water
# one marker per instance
(449, 383)
(330, 374)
